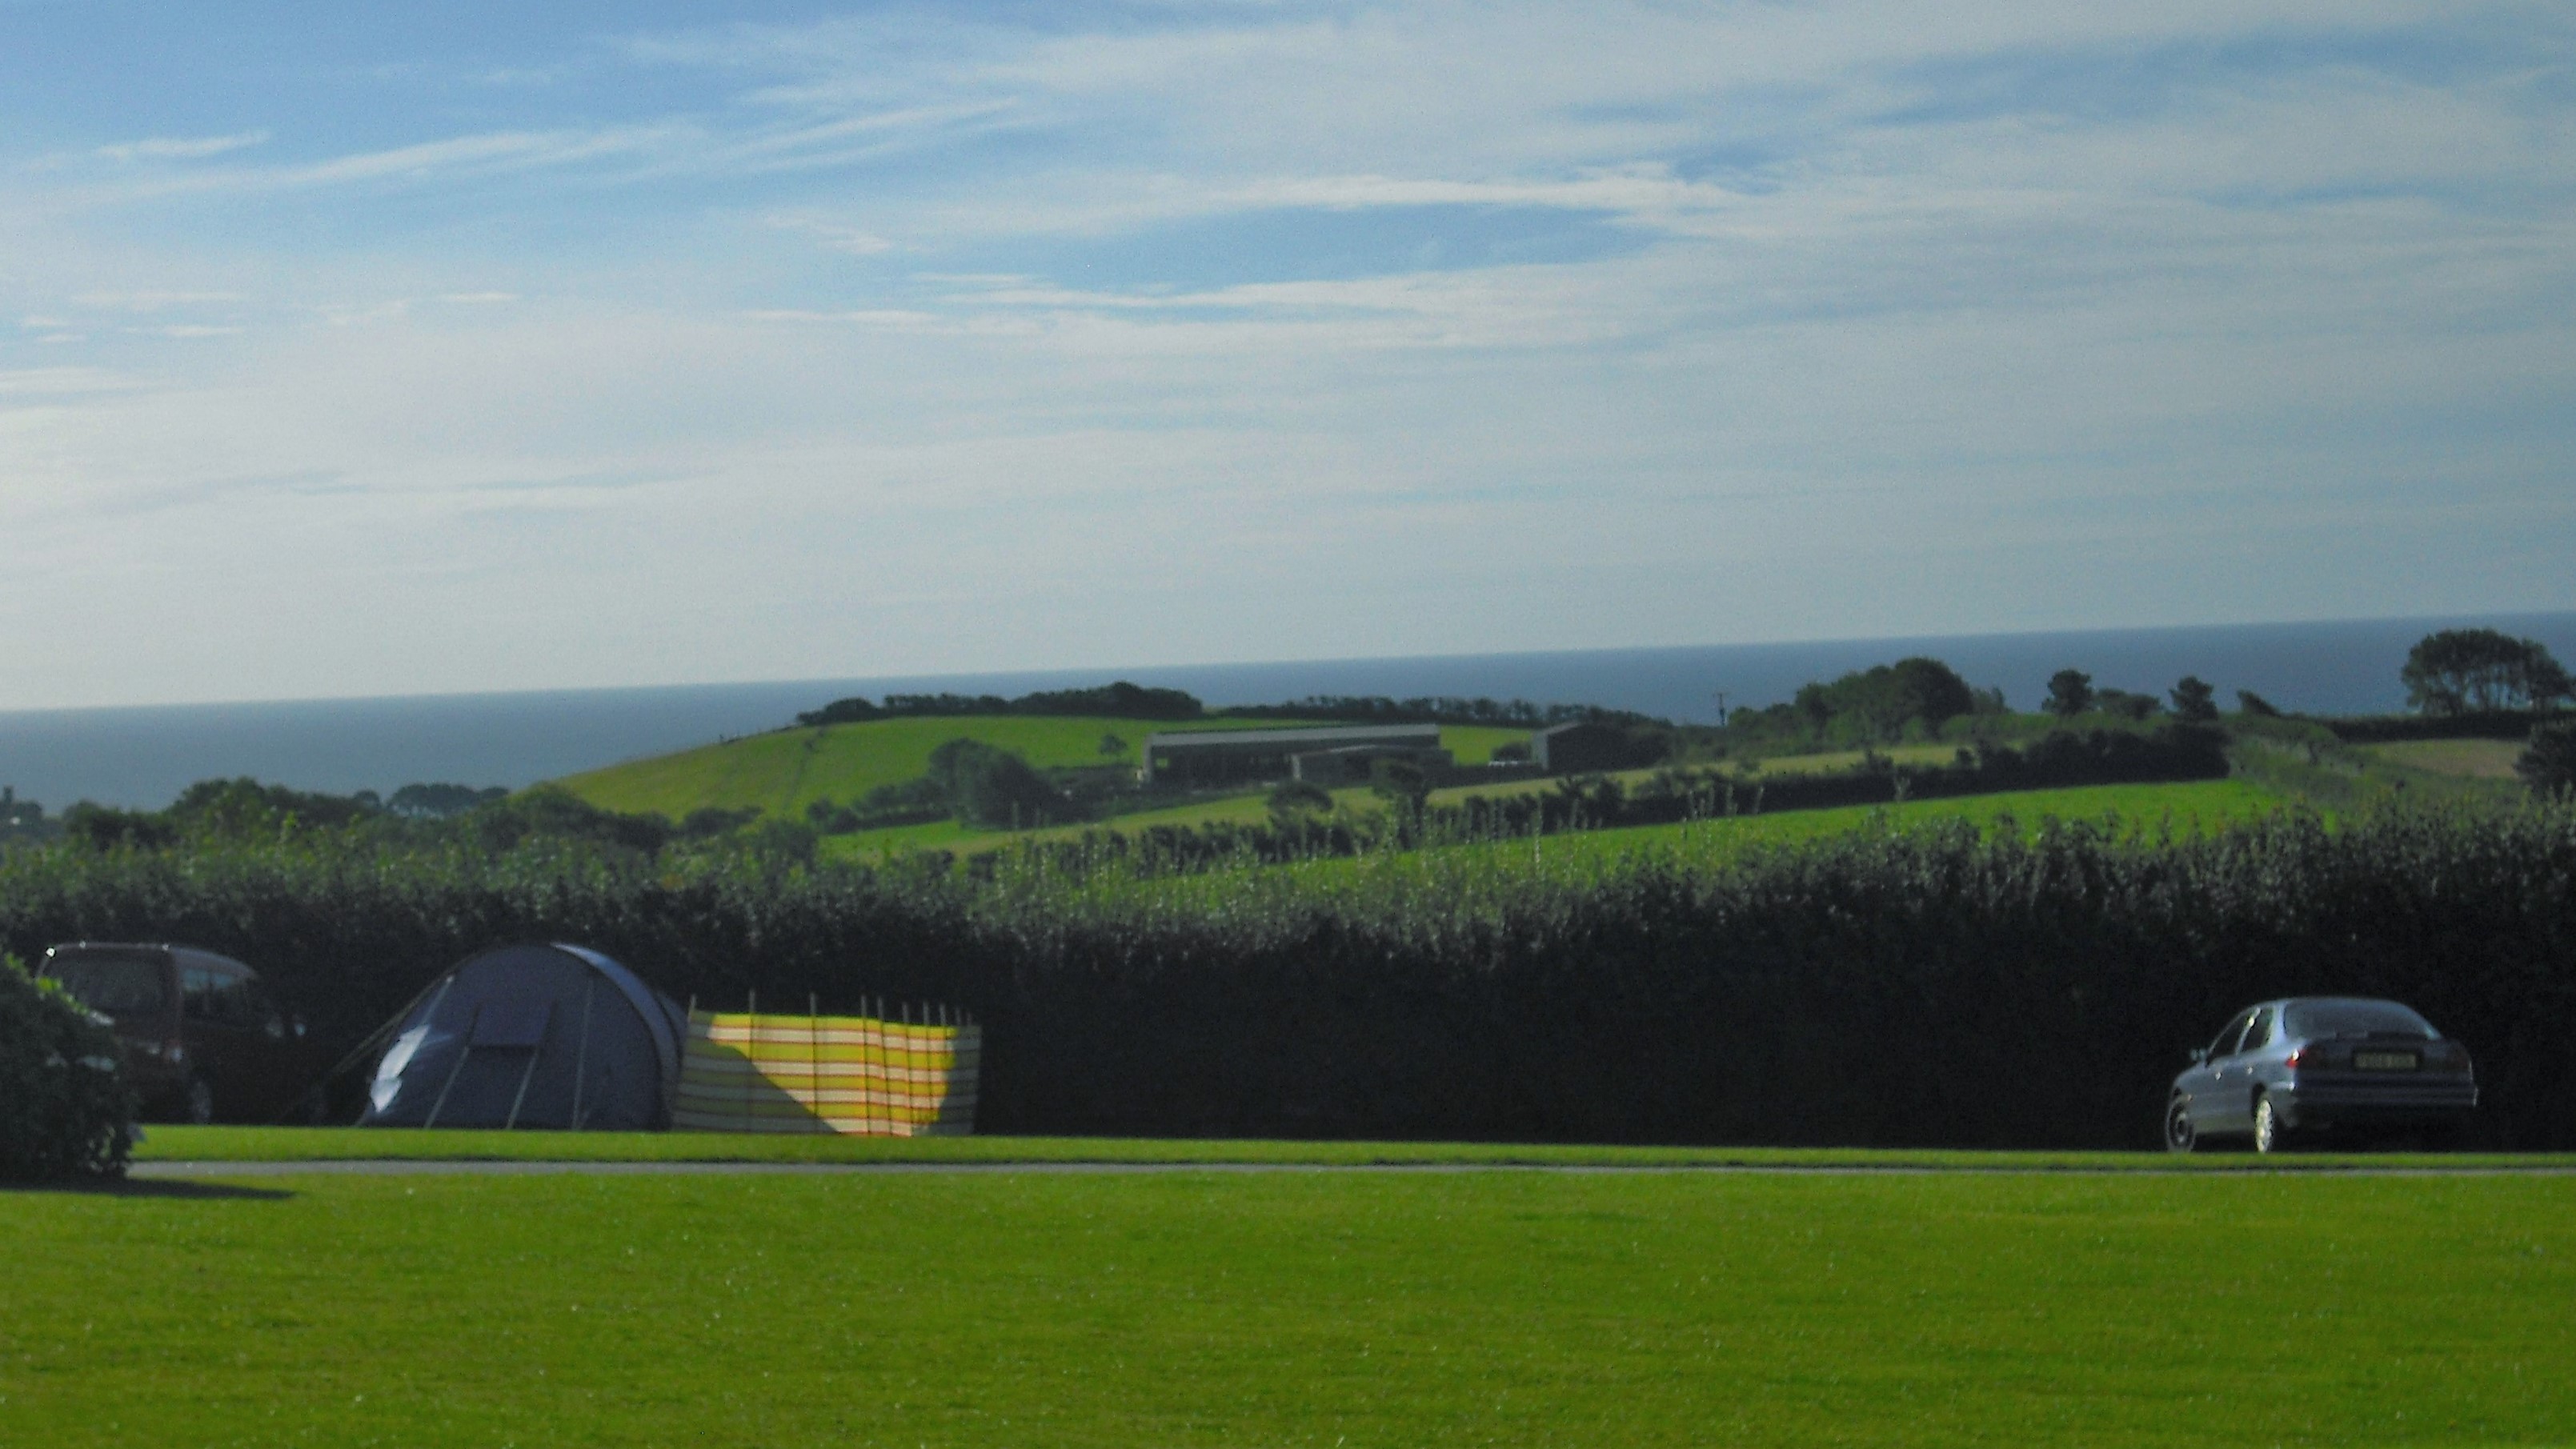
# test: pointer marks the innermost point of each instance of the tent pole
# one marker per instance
(464, 1049)
(526, 1075)
(581, 1054)
(380, 1033)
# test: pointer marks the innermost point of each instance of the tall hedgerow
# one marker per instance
(2027, 985)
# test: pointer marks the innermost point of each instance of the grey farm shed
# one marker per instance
(538, 1035)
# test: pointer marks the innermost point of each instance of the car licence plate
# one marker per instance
(2386, 1061)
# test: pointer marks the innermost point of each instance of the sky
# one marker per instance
(357, 350)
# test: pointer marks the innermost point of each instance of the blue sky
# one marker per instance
(355, 350)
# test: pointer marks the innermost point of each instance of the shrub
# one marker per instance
(2548, 764)
(65, 1110)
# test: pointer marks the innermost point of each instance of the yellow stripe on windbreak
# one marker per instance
(844, 1074)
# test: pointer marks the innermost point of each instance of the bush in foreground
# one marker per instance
(64, 1107)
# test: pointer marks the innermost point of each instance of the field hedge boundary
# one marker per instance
(1931, 988)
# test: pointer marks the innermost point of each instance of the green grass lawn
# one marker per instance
(1229, 1308)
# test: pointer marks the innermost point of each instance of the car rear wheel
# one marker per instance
(2270, 1133)
(199, 1107)
(2180, 1134)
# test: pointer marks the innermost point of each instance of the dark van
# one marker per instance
(203, 1040)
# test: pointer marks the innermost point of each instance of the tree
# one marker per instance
(438, 801)
(1401, 784)
(2122, 703)
(1885, 699)
(994, 787)
(2548, 764)
(1297, 800)
(2455, 671)
(2194, 701)
(2070, 693)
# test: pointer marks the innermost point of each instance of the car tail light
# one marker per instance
(2297, 1059)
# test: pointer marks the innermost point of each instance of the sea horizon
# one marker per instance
(142, 756)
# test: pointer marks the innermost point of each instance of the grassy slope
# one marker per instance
(2188, 807)
(1295, 1308)
(2475, 759)
(783, 771)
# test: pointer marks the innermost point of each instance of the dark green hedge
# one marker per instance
(1922, 988)
(2486, 724)
(64, 1107)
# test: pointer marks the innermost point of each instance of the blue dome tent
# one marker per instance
(540, 1035)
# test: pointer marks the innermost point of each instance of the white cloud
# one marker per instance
(182, 148)
(150, 301)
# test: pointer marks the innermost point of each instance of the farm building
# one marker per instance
(1225, 756)
(1573, 749)
(1349, 764)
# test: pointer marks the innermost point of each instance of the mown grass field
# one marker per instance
(787, 770)
(2189, 807)
(2473, 759)
(1296, 1308)
(2184, 808)
(784, 771)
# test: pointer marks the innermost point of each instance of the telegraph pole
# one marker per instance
(1721, 709)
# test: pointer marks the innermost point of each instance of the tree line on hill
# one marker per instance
(1119, 700)
(1123, 700)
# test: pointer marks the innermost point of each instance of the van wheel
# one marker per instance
(2269, 1135)
(2180, 1133)
(199, 1108)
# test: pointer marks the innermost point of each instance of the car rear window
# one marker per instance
(2356, 1018)
(121, 986)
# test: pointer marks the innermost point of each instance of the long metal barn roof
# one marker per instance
(1324, 736)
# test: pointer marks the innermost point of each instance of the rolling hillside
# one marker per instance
(783, 771)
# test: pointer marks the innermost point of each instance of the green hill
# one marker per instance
(783, 771)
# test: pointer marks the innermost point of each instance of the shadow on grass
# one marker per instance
(164, 1187)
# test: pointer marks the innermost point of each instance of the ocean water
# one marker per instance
(143, 757)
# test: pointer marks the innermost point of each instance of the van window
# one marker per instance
(197, 988)
(122, 986)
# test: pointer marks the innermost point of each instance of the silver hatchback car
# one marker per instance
(2316, 1066)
